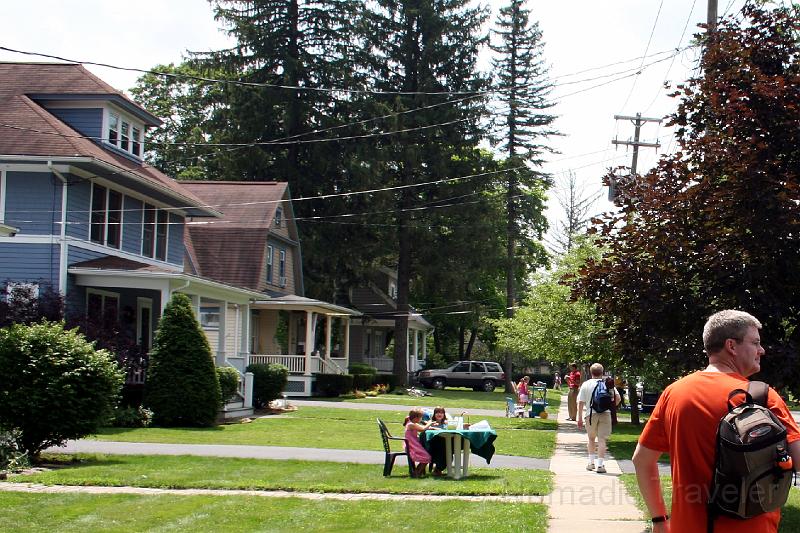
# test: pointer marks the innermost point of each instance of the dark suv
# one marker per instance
(480, 375)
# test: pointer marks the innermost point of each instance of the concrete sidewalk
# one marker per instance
(272, 452)
(584, 500)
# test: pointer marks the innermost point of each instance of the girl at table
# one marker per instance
(415, 449)
(439, 418)
(522, 391)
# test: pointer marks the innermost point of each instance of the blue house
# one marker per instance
(82, 213)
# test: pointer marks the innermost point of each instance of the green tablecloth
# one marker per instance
(481, 442)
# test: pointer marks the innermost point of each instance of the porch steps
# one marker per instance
(235, 410)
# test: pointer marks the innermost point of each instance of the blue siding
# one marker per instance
(78, 197)
(33, 202)
(35, 263)
(78, 255)
(87, 122)
(175, 240)
(132, 226)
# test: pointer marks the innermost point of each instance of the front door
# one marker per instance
(144, 323)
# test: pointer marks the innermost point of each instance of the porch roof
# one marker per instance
(292, 302)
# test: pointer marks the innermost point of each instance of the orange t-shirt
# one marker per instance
(684, 424)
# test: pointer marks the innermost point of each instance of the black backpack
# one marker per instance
(753, 470)
(602, 398)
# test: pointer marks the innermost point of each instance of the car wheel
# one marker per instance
(438, 383)
(488, 386)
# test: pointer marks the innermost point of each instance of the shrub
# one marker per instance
(332, 385)
(11, 457)
(363, 381)
(269, 382)
(132, 417)
(361, 368)
(182, 387)
(55, 386)
(228, 382)
(389, 380)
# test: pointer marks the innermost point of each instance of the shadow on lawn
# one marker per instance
(123, 431)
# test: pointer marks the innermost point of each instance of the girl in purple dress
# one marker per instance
(416, 451)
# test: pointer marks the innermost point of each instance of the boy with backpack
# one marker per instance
(598, 399)
(733, 444)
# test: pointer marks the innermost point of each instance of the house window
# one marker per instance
(209, 316)
(278, 217)
(124, 134)
(154, 232)
(393, 290)
(22, 291)
(106, 218)
(270, 261)
(282, 263)
(102, 306)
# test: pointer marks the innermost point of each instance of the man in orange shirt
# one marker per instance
(684, 424)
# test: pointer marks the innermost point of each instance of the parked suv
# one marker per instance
(480, 375)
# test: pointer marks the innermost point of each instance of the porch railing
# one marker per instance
(297, 363)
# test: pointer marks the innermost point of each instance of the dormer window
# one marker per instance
(124, 134)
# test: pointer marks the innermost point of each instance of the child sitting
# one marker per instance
(416, 451)
(438, 421)
(439, 418)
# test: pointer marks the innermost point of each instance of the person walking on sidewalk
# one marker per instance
(598, 415)
(574, 383)
(684, 424)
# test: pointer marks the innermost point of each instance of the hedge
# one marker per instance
(333, 385)
(269, 382)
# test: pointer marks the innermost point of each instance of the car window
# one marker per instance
(493, 367)
(461, 367)
(478, 367)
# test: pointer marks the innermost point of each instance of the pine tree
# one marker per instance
(424, 50)
(182, 387)
(522, 89)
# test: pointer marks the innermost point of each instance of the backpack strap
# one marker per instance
(759, 391)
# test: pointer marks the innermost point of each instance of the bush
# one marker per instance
(362, 368)
(269, 382)
(132, 417)
(389, 380)
(228, 382)
(182, 387)
(333, 385)
(363, 381)
(12, 458)
(55, 386)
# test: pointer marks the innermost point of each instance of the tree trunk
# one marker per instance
(633, 401)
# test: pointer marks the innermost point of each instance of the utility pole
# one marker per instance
(638, 121)
(711, 16)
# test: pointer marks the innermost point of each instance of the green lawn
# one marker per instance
(452, 399)
(321, 427)
(790, 516)
(83, 513)
(307, 476)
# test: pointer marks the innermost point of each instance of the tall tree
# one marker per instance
(715, 225)
(424, 50)
(522, 89)
(576, 206)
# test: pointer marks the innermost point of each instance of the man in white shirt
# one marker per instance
(598, 417)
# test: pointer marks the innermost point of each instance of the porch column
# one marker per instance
(195, 305)
(223, 319)
(424, 344)
(346, 341)
(165, 293)
(308, 347)
(416, 346)
(408, 350)
(328, 323)
(245, 343)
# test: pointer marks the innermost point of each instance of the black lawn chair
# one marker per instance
(390, 455)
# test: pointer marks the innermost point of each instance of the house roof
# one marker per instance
(228, 255)
(27, 129)
(111, 262)
(245, 204)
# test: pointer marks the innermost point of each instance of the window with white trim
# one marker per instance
(209, 316)
(278, 217)
(270, 261)
(155, 224)
(123, 133)
(21, 291)
(282, 263)
(106, 218)
(102, 305)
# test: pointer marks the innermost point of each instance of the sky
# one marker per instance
(594, 49)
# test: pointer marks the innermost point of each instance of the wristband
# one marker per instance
(658, 519)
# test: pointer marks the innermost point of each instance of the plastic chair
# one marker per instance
(512, 409)
(388, 463)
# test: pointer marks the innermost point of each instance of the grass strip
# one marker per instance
(183, 472)
(84, 513)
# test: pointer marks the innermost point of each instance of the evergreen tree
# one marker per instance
(182, 388)
(424, 51)
(522, 88)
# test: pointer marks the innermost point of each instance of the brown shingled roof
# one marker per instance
(27, 129)
(245, 204)
(229, 254)
(111, 262)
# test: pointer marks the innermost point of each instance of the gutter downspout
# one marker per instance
(62, 240)
(170, 292)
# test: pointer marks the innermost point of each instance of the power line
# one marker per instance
(649, 40)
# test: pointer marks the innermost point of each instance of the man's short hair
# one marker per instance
(727, 324)
(596, 370)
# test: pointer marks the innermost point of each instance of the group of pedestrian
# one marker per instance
(684, 424)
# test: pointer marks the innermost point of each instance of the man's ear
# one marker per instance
(730, 345)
